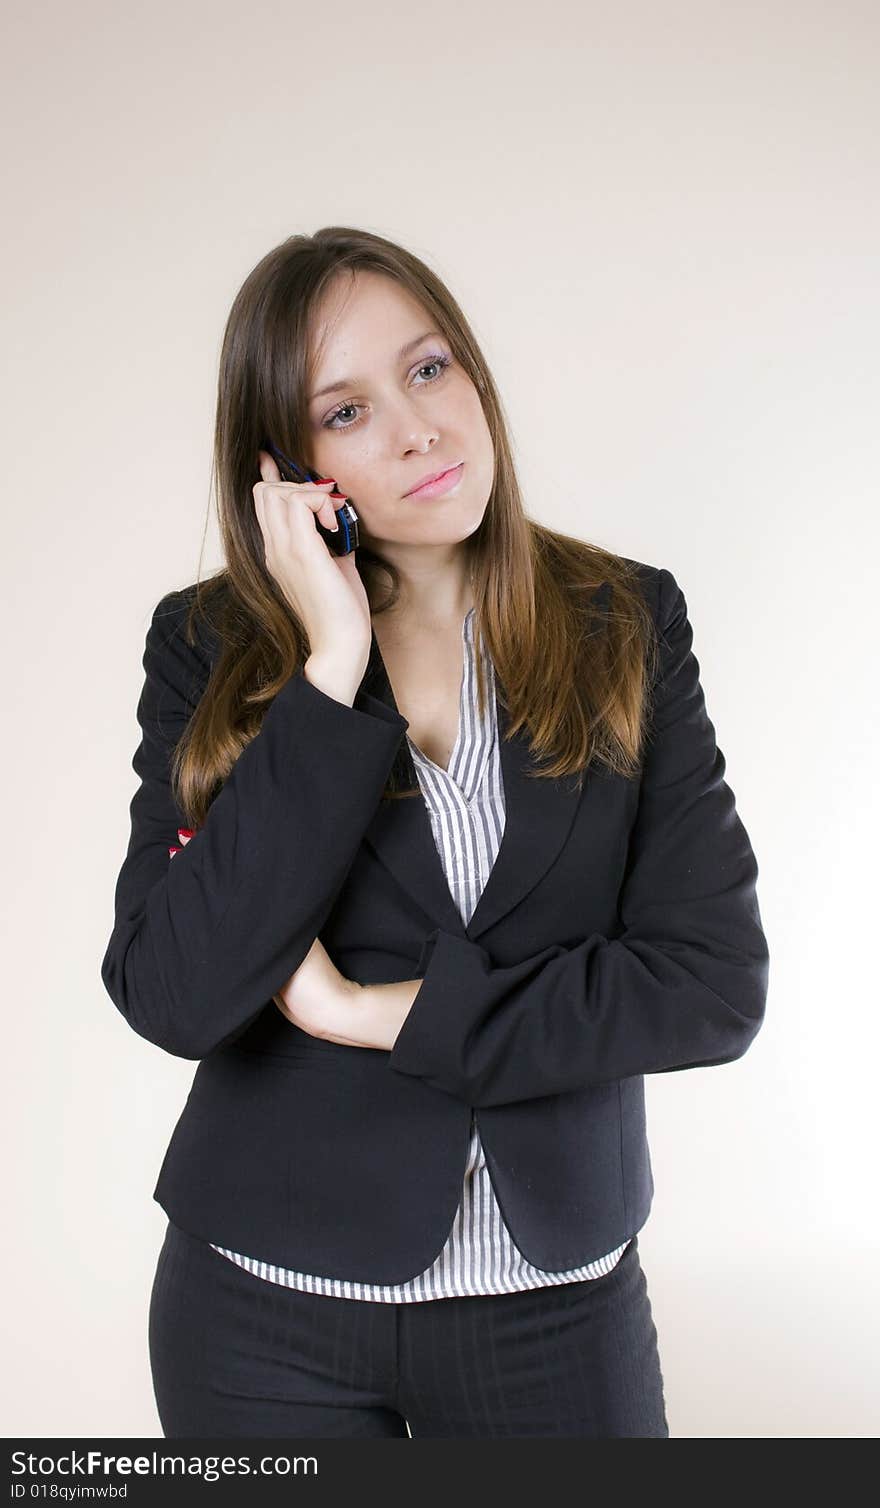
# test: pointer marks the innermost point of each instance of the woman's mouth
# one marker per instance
(441, 484)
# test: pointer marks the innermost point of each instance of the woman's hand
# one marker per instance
(324, 590)
(321, 1001)
(316, 995)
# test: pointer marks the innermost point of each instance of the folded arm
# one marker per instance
(684, 985)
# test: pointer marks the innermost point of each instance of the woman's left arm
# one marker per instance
(683, 986)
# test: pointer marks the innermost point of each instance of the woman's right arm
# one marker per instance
(204, 938)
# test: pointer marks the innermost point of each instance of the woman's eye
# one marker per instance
(441, 362)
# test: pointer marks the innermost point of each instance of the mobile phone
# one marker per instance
(340, 541)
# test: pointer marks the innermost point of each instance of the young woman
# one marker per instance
(432, 859)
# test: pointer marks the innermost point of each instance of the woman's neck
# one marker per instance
(419, 612)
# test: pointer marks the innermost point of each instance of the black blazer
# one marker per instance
(618, 935)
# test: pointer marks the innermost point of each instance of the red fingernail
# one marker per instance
(320, 480)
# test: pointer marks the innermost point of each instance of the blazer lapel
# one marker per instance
(539, 816)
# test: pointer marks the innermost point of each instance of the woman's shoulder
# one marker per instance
(628, 572)
(646, 571)
(660, 588)
(181, 622)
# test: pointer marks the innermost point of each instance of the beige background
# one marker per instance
(662, 220)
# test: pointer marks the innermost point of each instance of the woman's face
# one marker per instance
(397, 416)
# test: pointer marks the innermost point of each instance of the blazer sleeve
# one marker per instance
(205, 936)
(684, 985)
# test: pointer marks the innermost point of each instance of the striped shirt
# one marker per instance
(467, 811)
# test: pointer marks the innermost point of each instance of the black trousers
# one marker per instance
(235, 1355)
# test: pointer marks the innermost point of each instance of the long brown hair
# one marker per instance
(572, 668)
